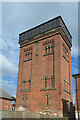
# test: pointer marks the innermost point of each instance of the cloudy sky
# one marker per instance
(20, 16)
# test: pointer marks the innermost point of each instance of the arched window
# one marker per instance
(45, 78)
(52, 80)
(24, 81)
(47, 96)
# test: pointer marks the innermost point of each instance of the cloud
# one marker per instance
(74, 70)
(0, 82)
(18, 17)
(74, 51)
(10, 49)
(9, 57)
(6, 67)
(9, 86)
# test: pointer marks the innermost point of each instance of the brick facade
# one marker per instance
(6, 104)
(44, 75)
(77, 93)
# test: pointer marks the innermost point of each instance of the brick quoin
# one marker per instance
(44, 75)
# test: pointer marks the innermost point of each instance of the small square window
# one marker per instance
(13, 102)
(6, 101)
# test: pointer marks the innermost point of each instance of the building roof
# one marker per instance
(78, 74)
(46, 26)
(5, 95)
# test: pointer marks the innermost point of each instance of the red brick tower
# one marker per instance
(77, 95)
(44, 76)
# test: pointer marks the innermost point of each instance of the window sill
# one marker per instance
(25, 90)
(67, 91)
(48, 88)
(48, 54)
(27, 59)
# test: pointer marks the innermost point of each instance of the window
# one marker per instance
(49, 82)
(13, 108)
(52, 81)
(66, 86)
(47, 97)
(24, 81)
(25, 85)
(51, 47)
(29, 83)
(47, 100)
(13, 102)
(27, 56)
(45, 83)
(6, 101)
(37, 48)
(48, 50)
(45, 50)
(65, 53)
(45, 78)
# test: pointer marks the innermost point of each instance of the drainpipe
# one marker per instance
(77, 97)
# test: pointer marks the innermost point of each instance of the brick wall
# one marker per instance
(37, 67)
(78, 88)
(5, 104)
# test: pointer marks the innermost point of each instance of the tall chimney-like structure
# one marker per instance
(44, 77)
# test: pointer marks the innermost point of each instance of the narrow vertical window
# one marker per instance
(28, 55)
(45, 83)
(37, 48)
(47, 99)
(13, 108)
(52, 48)
(52, 81)
(45, 78)
(29, 83)
(48, 49)
(31, 54)
(45, 50)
